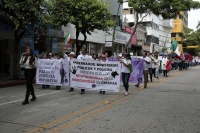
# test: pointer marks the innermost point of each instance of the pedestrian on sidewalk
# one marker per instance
(147, 61)
(30, 63)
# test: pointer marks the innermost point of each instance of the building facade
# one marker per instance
(151, 22)
(179, 24)
(165, 27)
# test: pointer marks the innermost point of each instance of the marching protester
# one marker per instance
(154, 65)
(126, 64)
(84, 56)
(157, 65)
(150, 67)
(71, 56)
(50, 56)
(164, 66)
(95, 57)
(30, 63)
(147, 61)
(103, 59)
(59, 58)
(45, 86)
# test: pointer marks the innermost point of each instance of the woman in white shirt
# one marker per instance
(126, 72)
(30, 63)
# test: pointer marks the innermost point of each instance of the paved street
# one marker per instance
(168, 105)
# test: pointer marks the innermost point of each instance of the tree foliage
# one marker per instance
(192, 38)
(18, 14)
(86, 15)
(168, 9)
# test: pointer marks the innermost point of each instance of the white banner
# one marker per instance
(53, 72)
(95, 75)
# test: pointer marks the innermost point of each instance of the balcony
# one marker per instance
(129, 18)
(168, 23)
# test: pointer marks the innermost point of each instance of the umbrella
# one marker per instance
(188, 56)
(172, 55)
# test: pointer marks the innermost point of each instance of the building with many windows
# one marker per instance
(179, 24)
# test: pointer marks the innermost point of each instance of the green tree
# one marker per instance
(191, 38)
(86, 15)
(168, 9)
(18, 14)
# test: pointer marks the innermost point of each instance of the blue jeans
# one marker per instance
(125, 79)
(175, 65)
(150, 73)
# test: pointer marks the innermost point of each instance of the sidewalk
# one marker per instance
(8, 81)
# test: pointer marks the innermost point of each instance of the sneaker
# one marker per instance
(126, 93)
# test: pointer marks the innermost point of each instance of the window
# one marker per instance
(173, 35)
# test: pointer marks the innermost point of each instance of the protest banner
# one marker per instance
(95, 75)
(137, 73)
(52, 72)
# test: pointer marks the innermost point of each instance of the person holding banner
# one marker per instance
(84, 56)
(71, 56)
(59, 58)
(103, 59)
(30, 63)
(147, 61)
(45, 86)
(126, 64)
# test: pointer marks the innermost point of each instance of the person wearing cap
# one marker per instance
(71, 56)
(126, 62)
(84, 56)
(50, 56)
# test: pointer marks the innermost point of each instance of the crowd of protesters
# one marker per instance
(154, 65)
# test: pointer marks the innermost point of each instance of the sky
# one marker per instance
(193, 18)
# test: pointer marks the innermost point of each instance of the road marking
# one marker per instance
(23, 99)
(100, 108)
(78, 112)
(87, 116)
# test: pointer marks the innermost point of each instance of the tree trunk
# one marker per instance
(77, 45)
(136, 18)
(16, 55)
